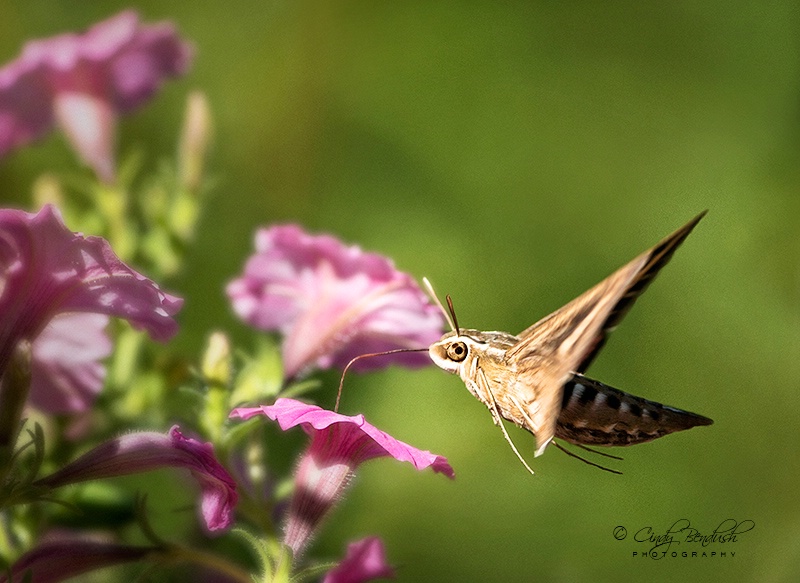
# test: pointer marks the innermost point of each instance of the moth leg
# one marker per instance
(584, 460)
(540, 448)
(602, 453)
(498, 420)
(484, 396)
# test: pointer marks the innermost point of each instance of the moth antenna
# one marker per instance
(368, 355)
(435, 298)
(453, 313)
(584, 460)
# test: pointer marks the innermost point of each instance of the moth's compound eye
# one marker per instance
(457, 351)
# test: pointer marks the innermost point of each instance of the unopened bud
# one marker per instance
(195, 138)
(216, 365)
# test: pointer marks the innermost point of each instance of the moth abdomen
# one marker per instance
(593, 413)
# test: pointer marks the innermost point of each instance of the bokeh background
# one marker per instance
(516, 153)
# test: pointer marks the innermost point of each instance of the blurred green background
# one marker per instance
(516, 153)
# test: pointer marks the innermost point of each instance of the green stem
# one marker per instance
(5, 543)
(14, 386)
(283, 565)
(214, 562)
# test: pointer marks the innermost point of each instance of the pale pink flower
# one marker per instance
(140, 452)
(67, 371)
(365, 561)
(339, 444)
(332, 302)
(56, 290)
(81, 82)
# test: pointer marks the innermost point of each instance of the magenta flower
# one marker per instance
(332, 302)
(56, 289)
(140, 452)
(365, 561)
(338, 445)
(82, 81)
(61, 560)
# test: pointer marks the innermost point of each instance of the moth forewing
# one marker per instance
(570, 329)
(548, 352)
(658, 256)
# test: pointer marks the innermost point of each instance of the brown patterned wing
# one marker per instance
(566, 341)
(659, 257)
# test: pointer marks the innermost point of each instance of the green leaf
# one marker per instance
(261, 377)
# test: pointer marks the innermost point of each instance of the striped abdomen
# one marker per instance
(595, 414)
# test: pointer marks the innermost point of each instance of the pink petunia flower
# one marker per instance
(82, 81)
(332, 302)
(338, 445)
(365, 561)
(140, 452)
(61, 560)
(56, 290)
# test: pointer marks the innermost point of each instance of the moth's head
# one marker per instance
(454, 350)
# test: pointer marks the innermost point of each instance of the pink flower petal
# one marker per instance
(332, 302)
(118, 60)
(338, 445)
(365, 561)
(218, 487)
(344, 437)
(66, 372)
(46, 270)
(90, 125)
(140, 452)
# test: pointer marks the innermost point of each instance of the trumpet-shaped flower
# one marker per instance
(332, 302)
(82, 81)
(61, 560)
(56, 290)
(365, 561)
(140, 452)
(339, 444)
